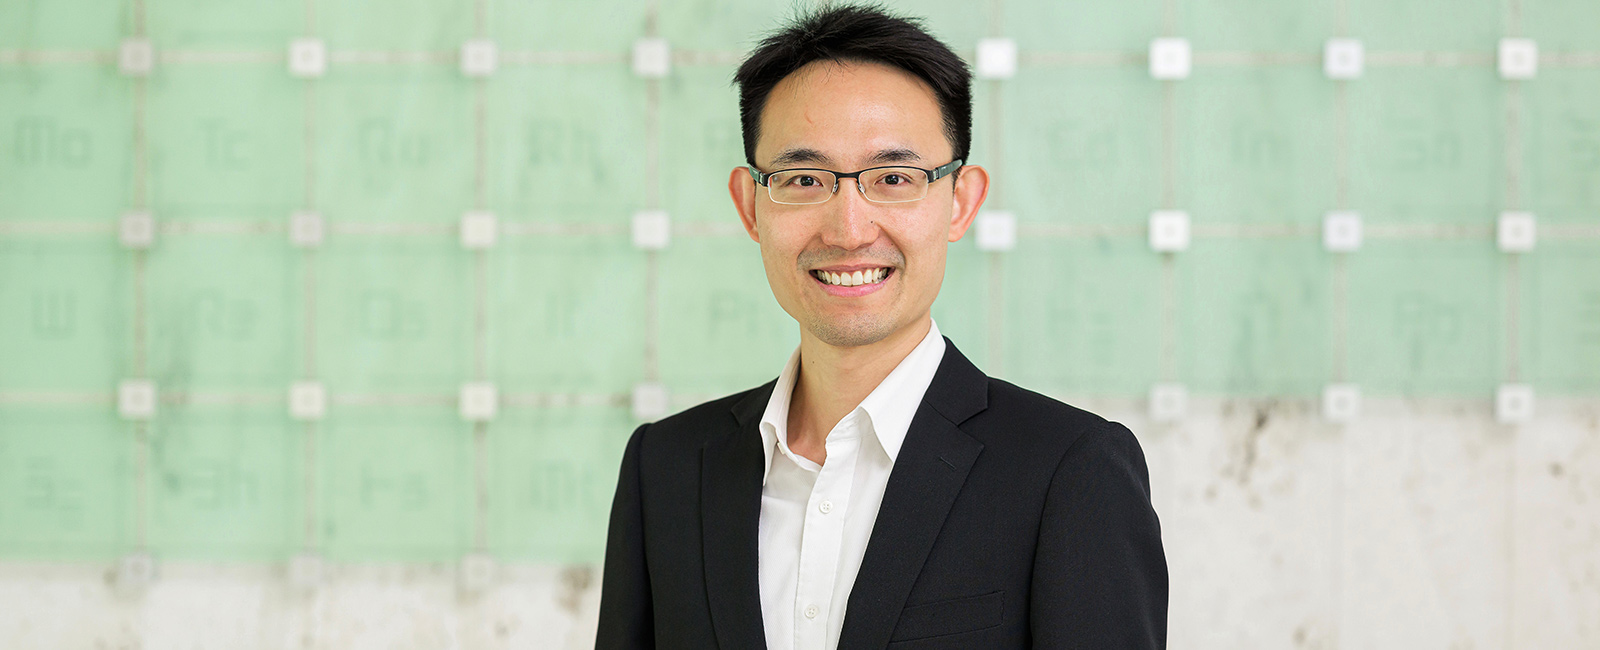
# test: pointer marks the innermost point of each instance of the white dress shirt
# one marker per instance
(816, 519)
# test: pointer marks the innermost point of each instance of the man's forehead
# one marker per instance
(798, 155)
(833, 113)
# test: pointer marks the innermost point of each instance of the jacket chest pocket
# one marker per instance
(952, 616)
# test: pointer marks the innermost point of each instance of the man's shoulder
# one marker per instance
(1019, 416)
(1027, 407)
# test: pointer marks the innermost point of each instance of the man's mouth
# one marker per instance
(853, 278)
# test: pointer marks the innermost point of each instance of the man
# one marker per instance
(882, 491)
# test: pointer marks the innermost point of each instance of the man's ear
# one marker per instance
(972, 186)
(742, 189)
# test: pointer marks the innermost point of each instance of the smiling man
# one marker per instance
(882, 491)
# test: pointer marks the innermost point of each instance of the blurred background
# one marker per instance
(323, 323)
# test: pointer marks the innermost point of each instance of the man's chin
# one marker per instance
(852, 331)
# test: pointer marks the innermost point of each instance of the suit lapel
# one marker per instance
(730, 510)
(928, 474)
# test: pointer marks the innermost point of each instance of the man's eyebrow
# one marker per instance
(895, 155)
(802, 155)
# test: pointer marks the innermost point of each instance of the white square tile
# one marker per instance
(1519, 58)
(1516, 232)
(997, 58)
(305, 571)
(652, 58)
(1343, 58)
(1169, 58)
(997, 231)
(135, 572)
(1169, 402)
(1513, 403)
(1341, 402)
(1169, 230)
(137, 229)
(305, 229)
(136, 57)
(136, 399)
(308, 400)
(478, 229)
(478, 57)
(1341, 231)
(652, 230)
(479, 401)
(476, 572)
(308, 58)
(649, 401)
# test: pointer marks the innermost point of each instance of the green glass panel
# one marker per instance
(395, 483)
(1258, 25)
(224, 482)
(1426, 145)
(572, 144)
(227, 25)
(552, 25)
(1259, 146)
(568, 314)
(394, 315)
(721, 329)
(1255, 315)
(407, 25)
(700, 143)
(1563, 303)
(553, 476)
(64, 315)
(961, 308)
(226, 142)
(394, 143)
(1082, 146)
(220, 313)
(66, 483)
(1418, 25)
(66, 136)
(1562, 146)
(1081, 315)
(1083, 25)
(1425, 318)
(61, 24)
(1561, 25)
(717, 25)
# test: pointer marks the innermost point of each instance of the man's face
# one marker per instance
(846, 117)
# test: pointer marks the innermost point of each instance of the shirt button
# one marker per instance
(826, 507)
(811, 611)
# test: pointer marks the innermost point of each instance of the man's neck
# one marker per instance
(832, 381)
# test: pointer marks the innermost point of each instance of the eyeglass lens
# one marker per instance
(885, 185)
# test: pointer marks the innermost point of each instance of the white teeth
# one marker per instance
(852, 279)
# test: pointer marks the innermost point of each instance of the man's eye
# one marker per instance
(894, 179)
(804, 181)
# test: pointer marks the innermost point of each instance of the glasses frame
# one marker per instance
(933, 175)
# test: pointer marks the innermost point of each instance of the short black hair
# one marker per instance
(856, 33)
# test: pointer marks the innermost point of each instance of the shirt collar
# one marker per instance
(889, 407)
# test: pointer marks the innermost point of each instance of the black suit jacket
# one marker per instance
(1010, 520)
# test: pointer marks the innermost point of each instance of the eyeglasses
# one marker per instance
(890, 184)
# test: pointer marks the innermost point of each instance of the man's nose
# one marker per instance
(850, 224)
